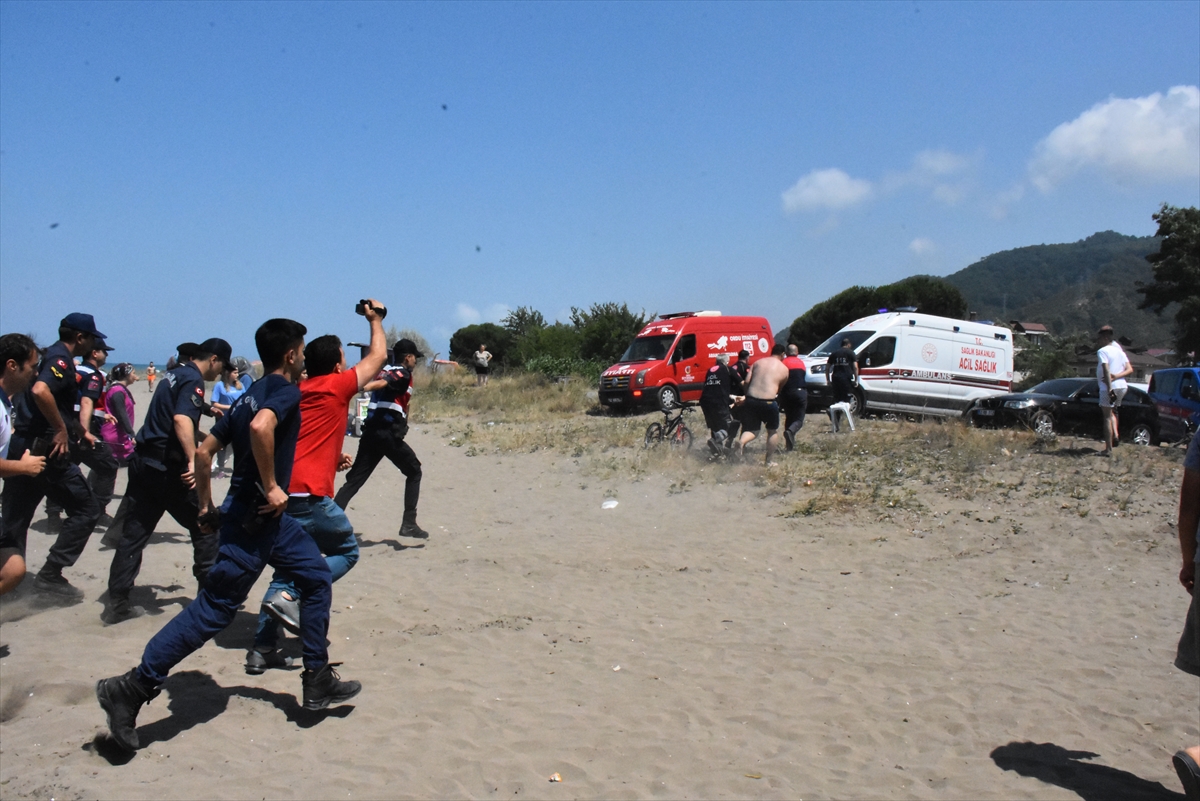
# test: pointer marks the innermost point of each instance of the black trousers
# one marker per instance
(373, 446)
(795, 406)
(103, 477)
(843, 388)
(150, 493)
(63, 483)
(717, 416)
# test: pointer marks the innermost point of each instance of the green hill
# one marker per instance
(1071, 288)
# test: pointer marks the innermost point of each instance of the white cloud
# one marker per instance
(826, 189)
(941, 172)
(920, 246)
(1005, 199)
(1140, 139)
(467, 315)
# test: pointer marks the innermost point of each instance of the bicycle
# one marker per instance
(673, 429)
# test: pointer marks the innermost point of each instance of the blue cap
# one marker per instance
(100, 344)
(81, 322)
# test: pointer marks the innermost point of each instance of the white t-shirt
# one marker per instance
(1112, 355)
(5, 429)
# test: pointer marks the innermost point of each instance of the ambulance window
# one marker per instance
(686, 349)
(878, 353)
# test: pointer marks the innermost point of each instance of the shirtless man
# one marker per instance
(767, 378)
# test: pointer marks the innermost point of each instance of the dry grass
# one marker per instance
(885, 468)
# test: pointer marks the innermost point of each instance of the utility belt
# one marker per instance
(161, 457)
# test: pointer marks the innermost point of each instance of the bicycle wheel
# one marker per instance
(654, 434)
(682, 438)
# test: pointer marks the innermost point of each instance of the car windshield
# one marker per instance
(834, 342)
(646, 349)
(1057, 386)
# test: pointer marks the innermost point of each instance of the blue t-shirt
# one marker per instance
(282, 397)
(227, 396)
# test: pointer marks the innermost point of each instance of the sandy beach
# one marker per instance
(717, 634)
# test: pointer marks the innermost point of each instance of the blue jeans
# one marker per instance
(240, 561)
(330, 529)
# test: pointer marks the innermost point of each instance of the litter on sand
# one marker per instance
(555, 778)
(609, 503)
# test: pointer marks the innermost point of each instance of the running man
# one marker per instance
(383, 435)
(254, 530)
(766, 380)
(324, 396)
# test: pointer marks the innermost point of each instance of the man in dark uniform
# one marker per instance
(843, 372)
(738, 373)
(94, 451)
(161, 477)
(383, 435)
(793, 397)
(715, 402)
(262, 427)
(44, 417)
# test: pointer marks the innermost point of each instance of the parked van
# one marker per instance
(1176, 393)
(913, 363)
(669, 358)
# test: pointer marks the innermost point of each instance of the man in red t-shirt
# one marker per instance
(324, 398)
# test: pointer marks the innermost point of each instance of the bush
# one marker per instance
(556, 366)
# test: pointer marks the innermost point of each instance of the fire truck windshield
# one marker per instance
(647, 349)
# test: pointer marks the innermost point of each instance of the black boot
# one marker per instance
(324, 687)
(121, 697)
(119, 610)
(409, 527)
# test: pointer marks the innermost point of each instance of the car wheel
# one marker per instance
(1042, 424)
(1141, 434)
(857, 406)
(668, 397)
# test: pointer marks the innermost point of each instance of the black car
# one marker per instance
(1068, 405)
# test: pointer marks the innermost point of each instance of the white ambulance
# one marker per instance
(911, 363)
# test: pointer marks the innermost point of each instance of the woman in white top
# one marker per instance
(482, 360)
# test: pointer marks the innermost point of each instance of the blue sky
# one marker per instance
(455, 160)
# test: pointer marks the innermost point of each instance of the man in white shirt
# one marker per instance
(1111, 368)
(18, 368)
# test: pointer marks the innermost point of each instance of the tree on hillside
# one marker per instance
(606, 329)
(1177, 274)
(928, 294)
(523, 321)
(1054, 359)
(466, 340)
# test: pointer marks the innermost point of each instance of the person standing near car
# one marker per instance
(843, 372)
(1111, 368)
